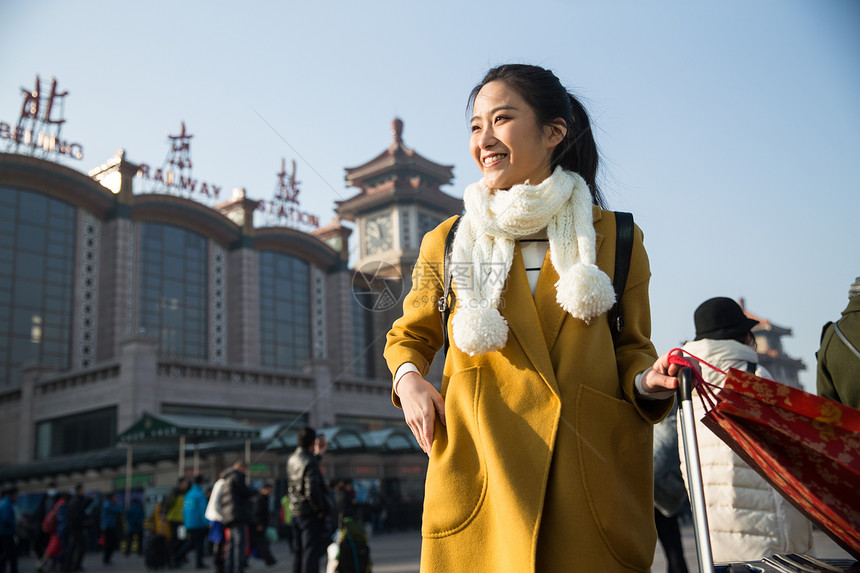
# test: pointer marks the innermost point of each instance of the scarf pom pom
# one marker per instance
(479, 330)
(585, 292)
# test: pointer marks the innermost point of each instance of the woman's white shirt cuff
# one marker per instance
(404, 368)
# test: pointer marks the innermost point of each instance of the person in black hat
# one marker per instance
(721, 318)
(747, 519)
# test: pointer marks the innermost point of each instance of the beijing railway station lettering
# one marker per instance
(175, 175)
(284, 207)
(38, 126)
(178, 182)
(288, 214)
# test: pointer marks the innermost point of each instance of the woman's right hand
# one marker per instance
(421, 402)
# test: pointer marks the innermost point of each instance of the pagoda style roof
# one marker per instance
(398, 175)
(399, 160)
(764, 324)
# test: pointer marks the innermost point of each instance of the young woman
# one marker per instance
(540, 440)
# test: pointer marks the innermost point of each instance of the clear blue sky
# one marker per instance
(730, 129)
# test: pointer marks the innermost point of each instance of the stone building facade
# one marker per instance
(119, 303)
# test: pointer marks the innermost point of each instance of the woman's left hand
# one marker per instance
(662, 375)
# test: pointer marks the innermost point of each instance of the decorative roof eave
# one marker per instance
(400, 159)
(767, 326)
(398, 156)
(430, 197)
(764, 325)
(776, 357)
(56, 180)
(334, 226)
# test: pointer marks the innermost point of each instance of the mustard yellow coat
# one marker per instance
(545, 463)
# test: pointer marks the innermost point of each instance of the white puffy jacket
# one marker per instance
(213, 508)
(747, 518)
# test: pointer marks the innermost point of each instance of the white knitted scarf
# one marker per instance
(484, 249)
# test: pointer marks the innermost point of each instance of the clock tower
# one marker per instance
(399, 201)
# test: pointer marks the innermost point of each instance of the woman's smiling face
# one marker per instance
(507, 143)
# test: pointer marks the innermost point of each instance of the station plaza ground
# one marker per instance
(399, 553)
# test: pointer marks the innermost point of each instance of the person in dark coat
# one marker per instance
(259, 541)
(236, 515)
(76, 519)
(309, 502)
(344, 500)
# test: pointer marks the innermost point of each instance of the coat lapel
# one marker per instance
(519, 309)
(549, 312)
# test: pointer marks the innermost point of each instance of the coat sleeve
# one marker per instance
(416, 336)
(634, 352)
(823, 380)
(315, 485)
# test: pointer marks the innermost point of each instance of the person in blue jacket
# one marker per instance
(111, 512)
(8, 522)
(134, 527)
(196, 524)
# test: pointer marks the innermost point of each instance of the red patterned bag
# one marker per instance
(807, 447)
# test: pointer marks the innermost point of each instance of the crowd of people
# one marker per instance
(220, 525)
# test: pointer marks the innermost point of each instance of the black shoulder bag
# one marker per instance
(444, 305)
(623, 252)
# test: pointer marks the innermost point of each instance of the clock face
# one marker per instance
(378, 235)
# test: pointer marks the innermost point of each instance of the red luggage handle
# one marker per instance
(707, 391)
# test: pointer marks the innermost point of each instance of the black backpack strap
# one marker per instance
(443, 304)
(623, 253)
(751, 366)
(824, 330)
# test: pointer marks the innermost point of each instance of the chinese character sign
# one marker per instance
(37, 131)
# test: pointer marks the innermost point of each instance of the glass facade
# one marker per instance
(78, 433)
(285, 311)
(363, 358)
(173, 290)
(37, 254)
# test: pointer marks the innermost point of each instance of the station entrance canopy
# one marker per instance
(161, 428)
(152, 428)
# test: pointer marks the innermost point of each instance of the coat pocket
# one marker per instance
(615, 455)
(456, 475)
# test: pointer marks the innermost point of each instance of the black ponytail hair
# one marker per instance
(550, 100)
